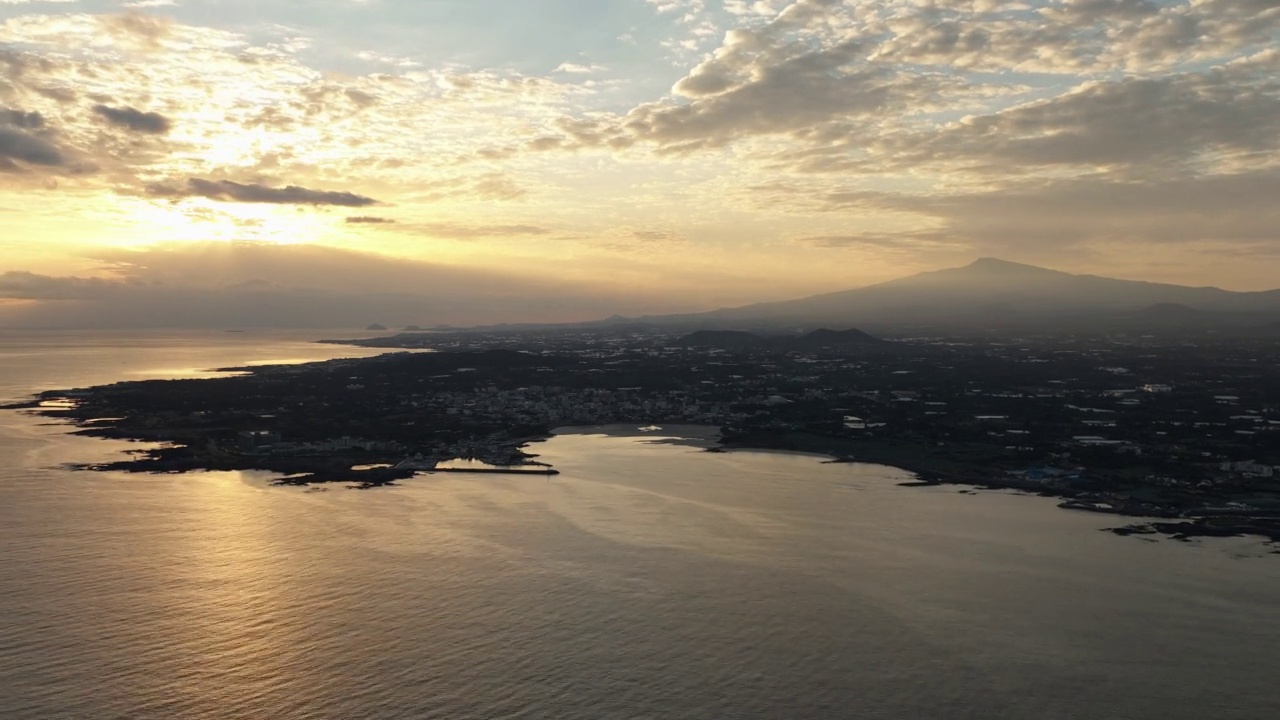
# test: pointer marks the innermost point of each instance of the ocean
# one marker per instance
(649, 579)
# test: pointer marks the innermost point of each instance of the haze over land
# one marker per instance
(334, 162)
(988, 293)
(992, 292)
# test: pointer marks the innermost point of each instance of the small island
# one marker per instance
(1185, 441)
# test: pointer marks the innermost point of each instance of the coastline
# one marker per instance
(912, 459)
(933, 472)
(189, 449)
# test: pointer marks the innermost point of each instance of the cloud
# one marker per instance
(877, 124)
(33, 152)
(245, 106)
(136, 28)
(577, 69)
(19, 146)
(905, 242)
(17, 285)
(152, 123)
(267, 285)
(460, 231)
(653, 235)
(498, 187)
(1073, 211)
(368, 220)
(793, 97)
(19, 143)
(22, 120)
(229, 191)
(834, 77)
(1062, 215)
(1140, 123)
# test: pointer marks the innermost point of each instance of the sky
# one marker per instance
(464, 161)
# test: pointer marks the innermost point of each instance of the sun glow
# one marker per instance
(720, 155)
(201, 220)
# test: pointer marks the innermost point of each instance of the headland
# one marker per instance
(1110, 425)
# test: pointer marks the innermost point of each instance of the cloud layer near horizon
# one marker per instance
(268, 285)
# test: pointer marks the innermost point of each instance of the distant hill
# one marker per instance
(1179, 318)
(836, 339)
(986, 292)
(400, 340)
(724, 339)
(822, 339)
(1169, 311)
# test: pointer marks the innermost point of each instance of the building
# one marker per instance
(254, 440)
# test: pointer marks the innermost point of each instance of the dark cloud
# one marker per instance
(21, 143)
(22, 120)
(17, 146)
(229, 191)
(58, 94)
(151, 123)
(369, 220)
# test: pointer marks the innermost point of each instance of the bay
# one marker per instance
(648, 580)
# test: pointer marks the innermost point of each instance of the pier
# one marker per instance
(496, 470)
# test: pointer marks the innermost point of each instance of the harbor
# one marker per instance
(512, 470)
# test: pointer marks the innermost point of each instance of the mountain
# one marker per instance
(988, 292)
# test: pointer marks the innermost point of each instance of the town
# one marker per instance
(1128, 424)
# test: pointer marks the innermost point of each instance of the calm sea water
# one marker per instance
(648, 580)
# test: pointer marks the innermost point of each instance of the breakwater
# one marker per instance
(497, 470)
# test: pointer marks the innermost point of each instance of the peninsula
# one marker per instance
(1188, 434)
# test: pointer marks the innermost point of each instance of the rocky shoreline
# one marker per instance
(173, 457)
(929, 475)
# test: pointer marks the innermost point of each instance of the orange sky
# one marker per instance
(632, 155)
